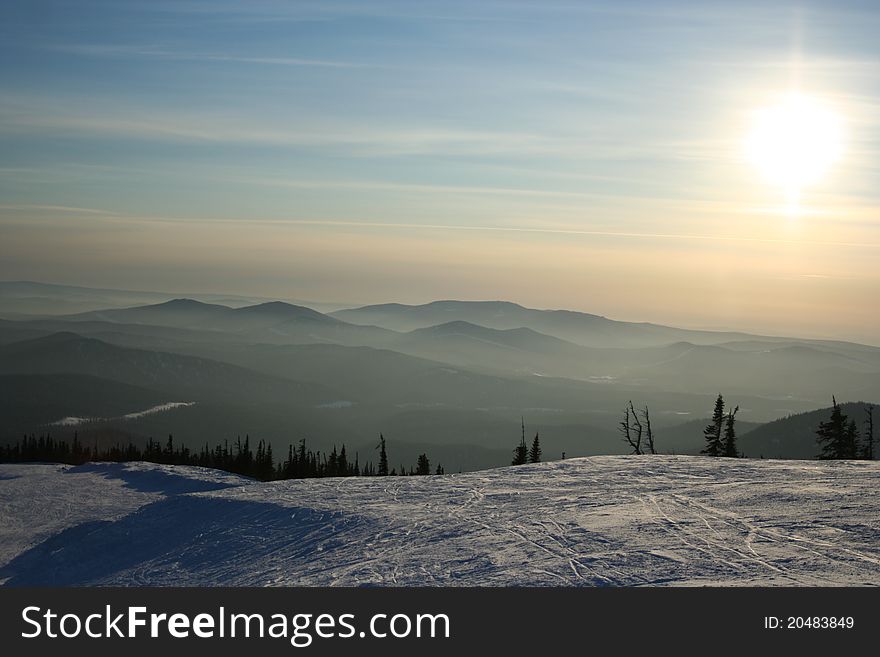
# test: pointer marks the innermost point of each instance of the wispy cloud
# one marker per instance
(116, 51)
(56, 208)
(692, 203)
(99, 117)
(71, 116)
(107, 215)
(586, 233)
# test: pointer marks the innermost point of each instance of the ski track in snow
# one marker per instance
(599, 521)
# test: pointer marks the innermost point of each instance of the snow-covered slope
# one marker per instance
(658, 520)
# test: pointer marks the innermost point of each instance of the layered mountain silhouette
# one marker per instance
(274, 321)
(438, 377)
(577, 327)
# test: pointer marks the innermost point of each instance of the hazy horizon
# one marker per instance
(588, 157)
(224, 297)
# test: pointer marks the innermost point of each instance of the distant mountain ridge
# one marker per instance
(33, 298)
(578, 327)
(186, 313)
(383, 320)
(272, 322)
(504, 338)
(512, 337)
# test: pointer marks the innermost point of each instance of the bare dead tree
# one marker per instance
(637, 426)
(649, 434)
(624, 427)
(631, 428)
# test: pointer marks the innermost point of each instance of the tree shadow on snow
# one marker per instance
(190, 540)
(152, 480)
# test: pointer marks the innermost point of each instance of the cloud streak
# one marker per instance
(331, 223)
(162, 53)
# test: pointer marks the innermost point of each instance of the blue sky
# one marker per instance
(573, 154)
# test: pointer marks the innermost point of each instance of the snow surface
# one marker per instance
(612, 520)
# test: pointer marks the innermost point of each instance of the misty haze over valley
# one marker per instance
(453, 379)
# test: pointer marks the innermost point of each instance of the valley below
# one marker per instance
(452, 379)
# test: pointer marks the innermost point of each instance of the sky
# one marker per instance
(581, 155)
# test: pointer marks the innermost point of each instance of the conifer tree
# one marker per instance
(712, 432)
(423, 467)
(838, 437)
(169, 449)
(333, 463)
(730, 434)
(342, 463)
(383, 457)
(851, 440)
(869, 433)
(535, 451)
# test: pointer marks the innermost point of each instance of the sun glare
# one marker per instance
(793, 143)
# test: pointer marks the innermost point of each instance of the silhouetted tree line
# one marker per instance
(239, 458)
(839, 436)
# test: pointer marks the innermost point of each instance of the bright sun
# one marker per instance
(794, 142)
